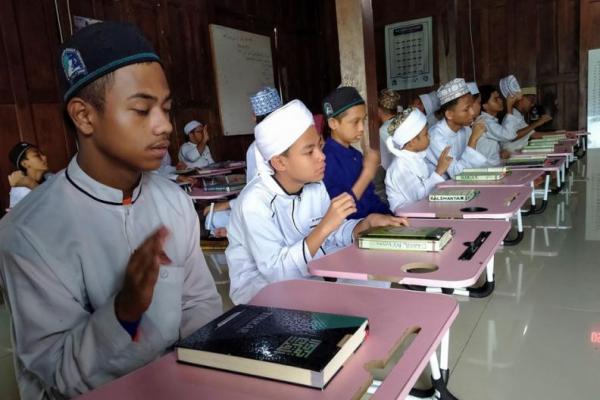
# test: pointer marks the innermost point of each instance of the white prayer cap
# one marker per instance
(509, 86)
(405, 126)
(473, 88)
(431, 102)
(452, 90)
(276, 133)
(190, 126)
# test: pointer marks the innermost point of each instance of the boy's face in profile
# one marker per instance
(304, 161)
(462, 113)
(34, 160)
(495, 103)
(476, 105)
(351, 126)
(133, 129)
(419, 142)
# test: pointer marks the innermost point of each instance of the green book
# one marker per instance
(485, 169)
(453, 195)
(301, 347)
(479, 176)
(405, 238)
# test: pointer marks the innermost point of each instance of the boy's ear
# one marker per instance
(278, 163)
(449, 114)
(333, 123)
(82, 114)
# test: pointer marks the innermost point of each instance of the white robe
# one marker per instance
(441, 136)
(520, 123)
(386, 156)
(63, 255)
(17, 194)
(189, 154)
(496, 134)
(267, 232)
(408, 179)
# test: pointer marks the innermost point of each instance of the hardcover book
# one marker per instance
(301, 347)
(457, 195)
(405, 238)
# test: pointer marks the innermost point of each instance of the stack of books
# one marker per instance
(405, 238)
(186, 172)
(224, 183)
(453, 195)
(301, 347)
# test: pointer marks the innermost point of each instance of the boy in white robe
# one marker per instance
(101, 265)
(497, 133)
(280, 222)
(195, 152)
(454, 130)
(408, 178)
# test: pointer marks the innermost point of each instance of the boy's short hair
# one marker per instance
(451, 104)
(486, 92)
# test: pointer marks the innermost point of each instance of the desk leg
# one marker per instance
(558, 181)
(444, 353)
(439, 384)
(520, 234)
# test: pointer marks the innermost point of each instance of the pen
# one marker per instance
(509, 201)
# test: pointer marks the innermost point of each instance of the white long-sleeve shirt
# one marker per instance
(495, 135)
(408, 179)
(63, 254)
(520, 123)
(441, 136)
(189, 154)
(267, 233)
(386, 156)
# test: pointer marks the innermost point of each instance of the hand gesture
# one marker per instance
(141, 276)
(339, 209)
(444, 162)
(477, 132)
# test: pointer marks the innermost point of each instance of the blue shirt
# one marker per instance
(342, 169)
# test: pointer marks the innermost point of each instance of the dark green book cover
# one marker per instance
(302, 339)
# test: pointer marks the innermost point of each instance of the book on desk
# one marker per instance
(453, 195)
(224, 183)
(405, 238)
(479, 176)
(301, 347)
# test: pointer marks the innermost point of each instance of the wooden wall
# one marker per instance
(537, 40)
(306, 60)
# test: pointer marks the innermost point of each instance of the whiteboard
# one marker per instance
(243, 65)
(409, 54)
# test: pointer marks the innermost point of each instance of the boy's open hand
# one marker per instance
(141, 276)
(377, 220)
(443, 162)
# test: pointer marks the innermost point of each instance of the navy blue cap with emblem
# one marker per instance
(100, 49)
(340, 100)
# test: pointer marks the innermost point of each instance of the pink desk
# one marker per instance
(556, 165)
(494, 202)
(525, 177)
(392, 315)
(454, 273)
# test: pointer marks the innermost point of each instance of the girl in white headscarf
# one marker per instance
(408, 178)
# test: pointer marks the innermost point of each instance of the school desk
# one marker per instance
(393, 314)
(512, 178)
(491, 203)
(552, 165)
(452, 270)
(197, 193)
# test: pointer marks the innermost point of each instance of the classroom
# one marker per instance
(299, 199)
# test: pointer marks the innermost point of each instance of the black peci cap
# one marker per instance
(97, 50)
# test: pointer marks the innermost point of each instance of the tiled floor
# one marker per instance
(533, 338)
